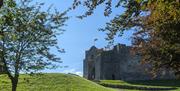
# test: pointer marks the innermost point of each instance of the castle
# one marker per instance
(116, 64)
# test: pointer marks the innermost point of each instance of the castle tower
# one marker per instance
(115, 64)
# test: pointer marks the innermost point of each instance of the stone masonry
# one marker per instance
(115, 64)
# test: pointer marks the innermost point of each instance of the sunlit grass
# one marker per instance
(51, 82)
(67, 82)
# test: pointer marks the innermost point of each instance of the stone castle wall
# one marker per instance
(115, 64)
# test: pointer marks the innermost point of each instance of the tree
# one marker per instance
(162, 46)
(1, 3)
(10, 2)
(27, 35)
(156, 24)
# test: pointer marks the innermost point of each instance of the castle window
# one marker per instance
(129, 65)
(92, 56)
(113, 77)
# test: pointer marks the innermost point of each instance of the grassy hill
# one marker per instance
(69, 82)
(52, 82)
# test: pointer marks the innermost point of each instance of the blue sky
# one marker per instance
(79, 35)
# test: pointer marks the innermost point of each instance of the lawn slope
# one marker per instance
(51, 82)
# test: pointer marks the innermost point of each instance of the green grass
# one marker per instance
(52, 82)
(174, 85)
(68, 82)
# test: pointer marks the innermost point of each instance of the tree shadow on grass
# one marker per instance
(165, 85)
(140, 87)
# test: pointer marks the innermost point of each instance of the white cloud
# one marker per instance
(73, 71)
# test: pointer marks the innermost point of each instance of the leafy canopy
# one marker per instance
(27, 34)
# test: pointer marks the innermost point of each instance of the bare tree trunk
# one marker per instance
(14, 79)
(177, 1)
(14, 82)
(1, 3)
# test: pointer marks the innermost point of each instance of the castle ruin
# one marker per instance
(116, 64)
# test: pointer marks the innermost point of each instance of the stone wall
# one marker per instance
(115, 64)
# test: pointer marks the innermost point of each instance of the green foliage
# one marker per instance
(52, 82)
(26, 36)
